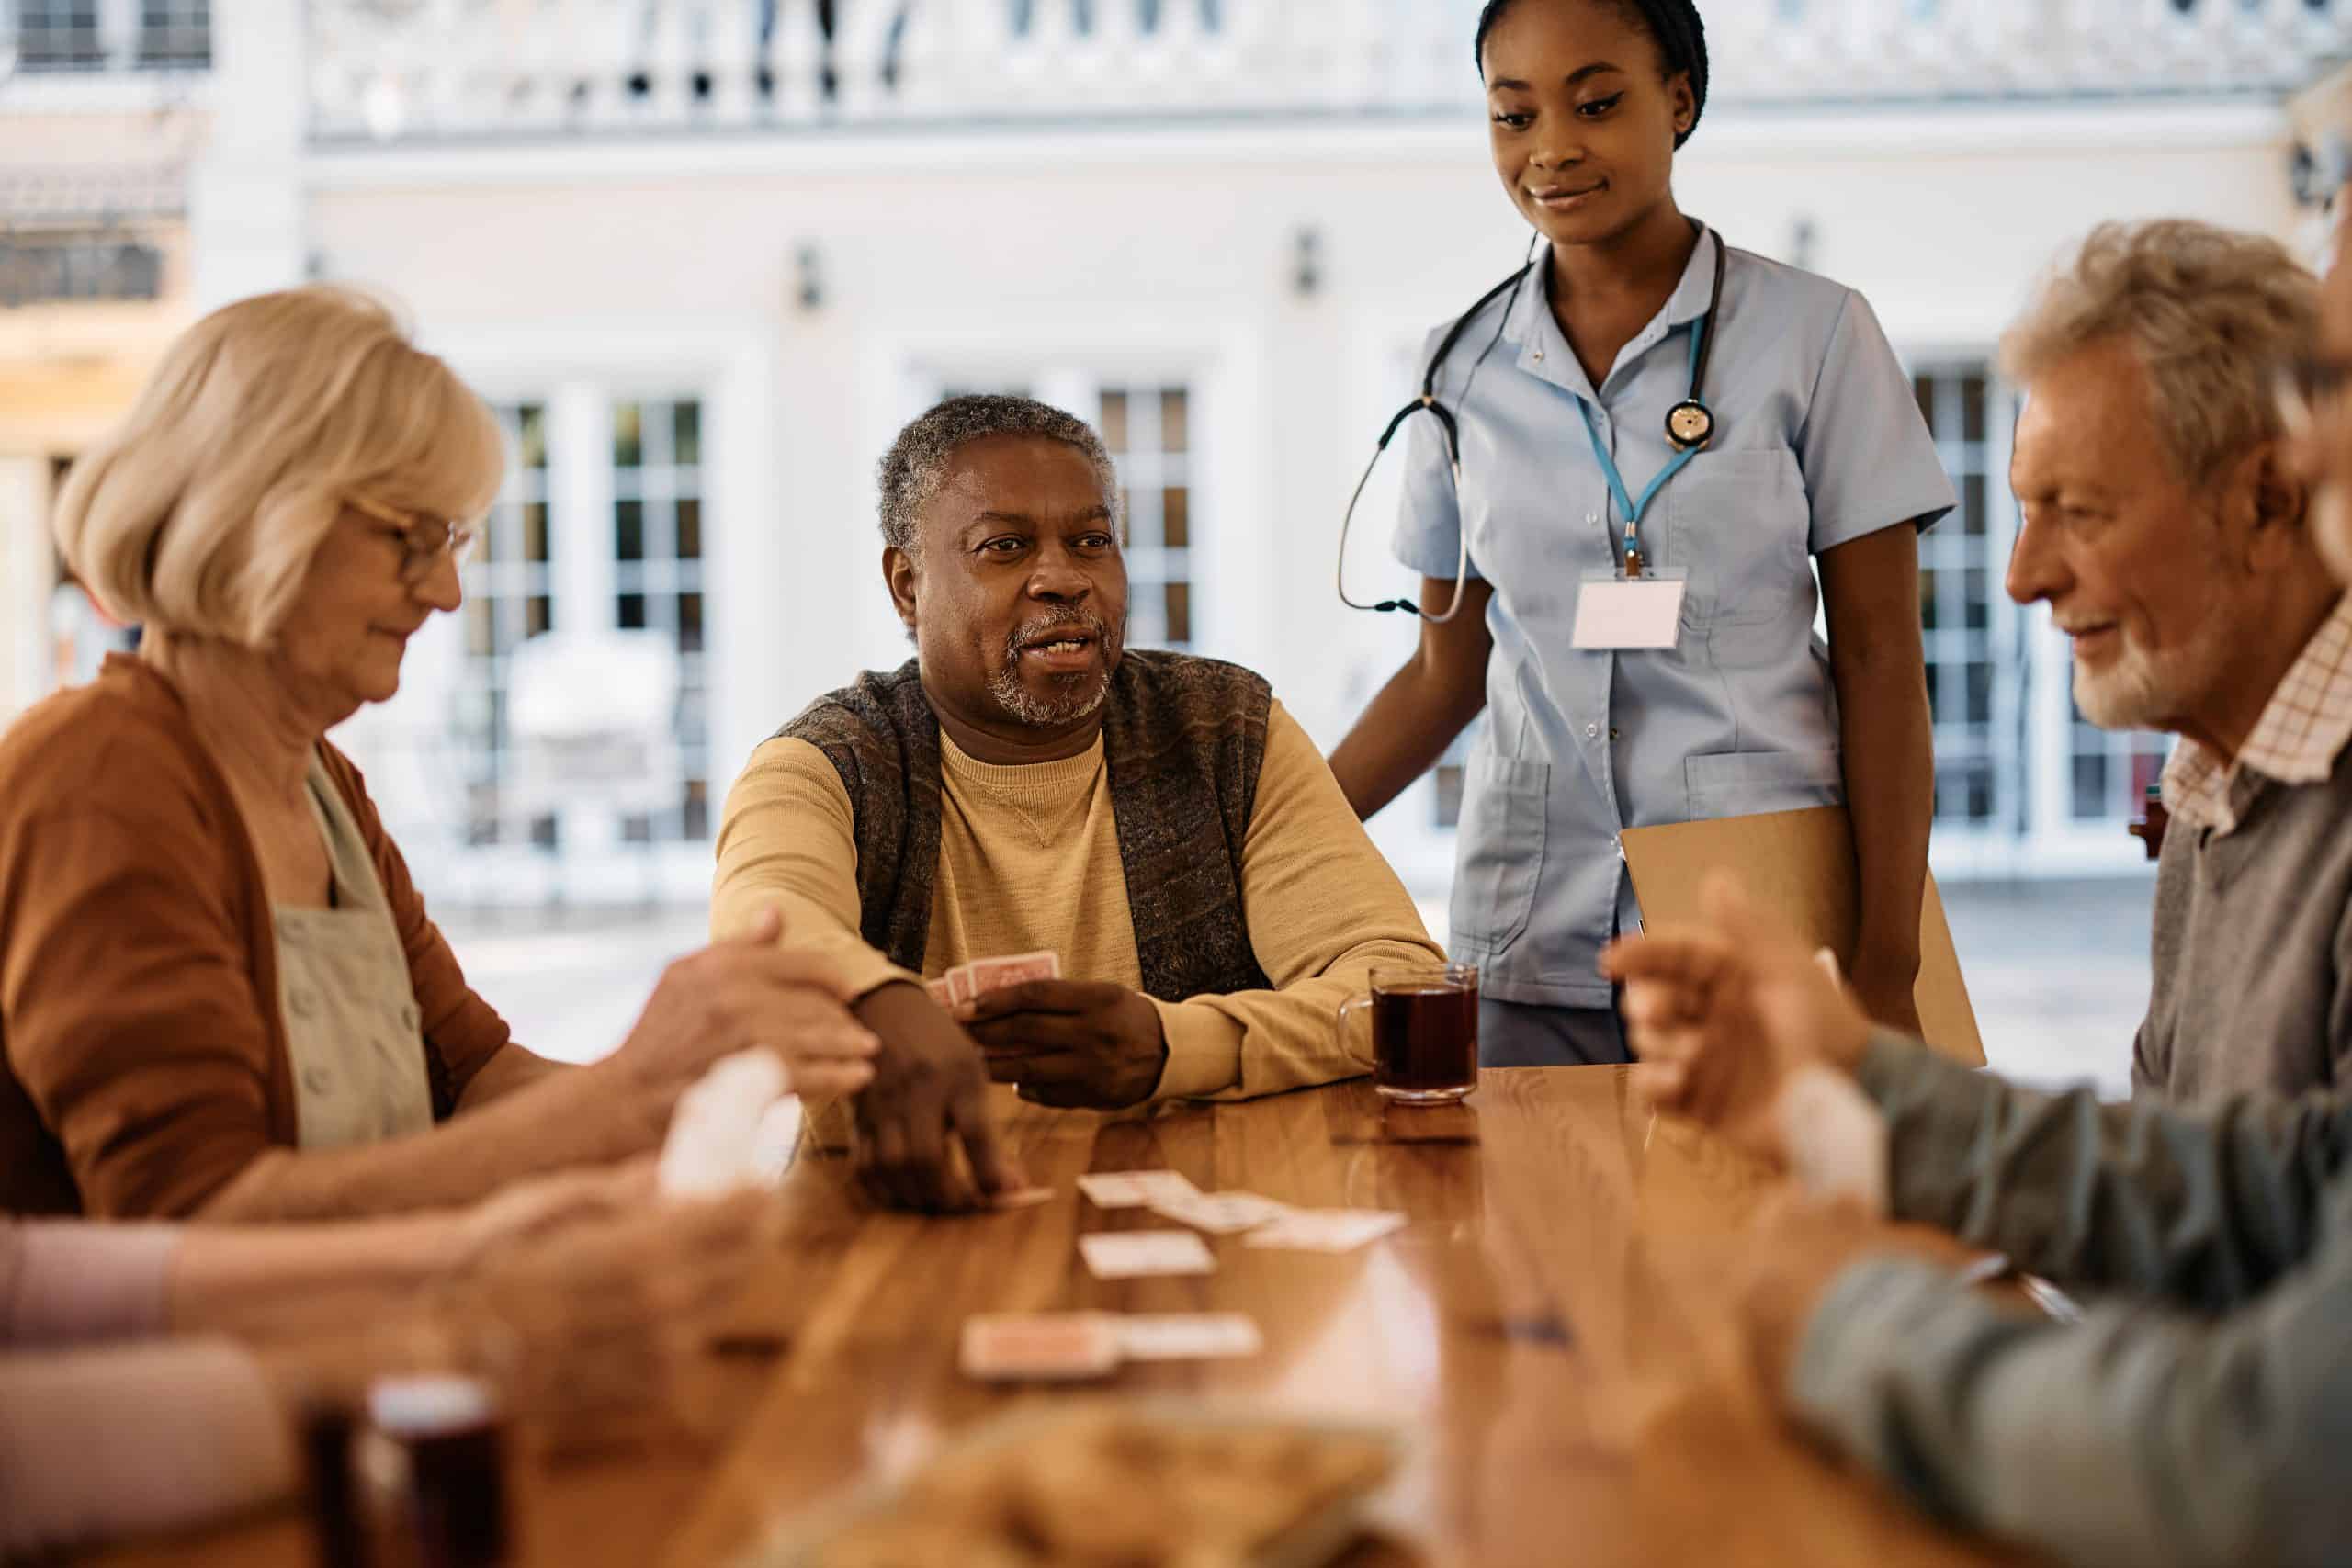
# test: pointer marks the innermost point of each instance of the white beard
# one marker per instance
(2145, 690)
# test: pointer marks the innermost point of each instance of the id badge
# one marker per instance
(1615, 610)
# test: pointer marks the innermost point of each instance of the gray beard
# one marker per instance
(1078, 695)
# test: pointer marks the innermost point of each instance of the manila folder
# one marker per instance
(1800, 864)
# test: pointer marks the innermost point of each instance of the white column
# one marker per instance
(580, 513)
(246, 209)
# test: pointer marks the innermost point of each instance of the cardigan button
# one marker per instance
(318, 1080)
(304, 1003)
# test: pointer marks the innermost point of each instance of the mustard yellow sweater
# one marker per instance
(1029, 862)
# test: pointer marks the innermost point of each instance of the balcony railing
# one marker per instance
(387, 69)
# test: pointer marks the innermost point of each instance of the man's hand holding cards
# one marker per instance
(1069, 1043)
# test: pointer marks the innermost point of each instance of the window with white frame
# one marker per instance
(509, 597)
(1149, 431)
(658, 581)
(174, 35)
(1975, 675)
(58, 35)
(2110, 772)
(1147, 426)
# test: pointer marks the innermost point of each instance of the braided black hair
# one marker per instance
(1681, 43)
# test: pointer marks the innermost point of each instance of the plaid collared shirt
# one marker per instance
(2305, 724)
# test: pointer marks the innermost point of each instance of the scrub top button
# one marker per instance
(1591, 730)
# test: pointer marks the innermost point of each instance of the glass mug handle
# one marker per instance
(1347, 1011)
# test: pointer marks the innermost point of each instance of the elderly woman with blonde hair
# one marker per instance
(220, 993)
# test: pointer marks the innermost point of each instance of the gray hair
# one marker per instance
(914, 470)
(2211, 313)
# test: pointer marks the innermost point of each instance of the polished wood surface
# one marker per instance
(1550, 1331)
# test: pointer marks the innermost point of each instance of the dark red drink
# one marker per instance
(1425, 1038)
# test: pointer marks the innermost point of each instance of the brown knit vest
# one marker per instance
(1182, 739)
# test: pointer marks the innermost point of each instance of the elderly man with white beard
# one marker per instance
(2171, 540)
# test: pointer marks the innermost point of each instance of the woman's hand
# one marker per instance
(732, 995)
(598, 1320)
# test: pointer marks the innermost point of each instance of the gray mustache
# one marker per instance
(1030, 631)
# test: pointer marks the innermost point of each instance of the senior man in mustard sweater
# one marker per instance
(1028, 783)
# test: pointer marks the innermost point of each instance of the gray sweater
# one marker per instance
(2253, 945)
(2201, 1417)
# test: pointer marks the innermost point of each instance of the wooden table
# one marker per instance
(1549, 1330)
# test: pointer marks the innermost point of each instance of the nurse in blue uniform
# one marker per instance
(1628, 458)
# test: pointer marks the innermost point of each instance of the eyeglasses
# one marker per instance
(2309, 387)
(424, 539)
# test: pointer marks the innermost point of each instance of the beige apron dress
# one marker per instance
(352, 1034)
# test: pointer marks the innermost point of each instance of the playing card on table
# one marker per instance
(1135, 1188)
(1326, 1230)
(1180, 1336)
(1220, 1213)
(1040, 1345)
(1129, 1255)
(987, 975)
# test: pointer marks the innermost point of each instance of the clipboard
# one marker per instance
(1800, 864)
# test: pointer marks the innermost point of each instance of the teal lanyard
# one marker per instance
(1627, 505)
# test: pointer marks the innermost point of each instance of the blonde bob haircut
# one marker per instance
(2211, 314)
(200, 513)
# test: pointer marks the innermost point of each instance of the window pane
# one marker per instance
(689, 528)
(1180, 611)
(1174, 417)
(535, 531)
(1114, 421)
(686, 435)
(628, 445)
(631, 612)
(629, 530)
(1971, 408)
(531, 435)
(1176, 518)
(538, 614)
(2090, 787)
(689, 622)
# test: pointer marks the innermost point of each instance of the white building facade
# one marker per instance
(705, 258)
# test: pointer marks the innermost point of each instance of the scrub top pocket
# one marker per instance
(1738, 523)
(1500, 850)
(1743, 783)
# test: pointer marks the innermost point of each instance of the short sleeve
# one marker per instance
(1429, 517)
(1867, 459)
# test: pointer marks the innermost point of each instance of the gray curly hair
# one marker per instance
(2210, 311)
(914, 469)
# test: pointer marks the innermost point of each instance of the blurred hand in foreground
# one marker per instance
(1723, 1012)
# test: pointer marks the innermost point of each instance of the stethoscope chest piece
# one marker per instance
(1690, 425)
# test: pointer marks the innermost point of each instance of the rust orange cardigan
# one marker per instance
(142, 1054)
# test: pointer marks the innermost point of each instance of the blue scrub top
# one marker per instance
(1818, 440)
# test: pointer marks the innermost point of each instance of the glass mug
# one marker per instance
(1424, 1030)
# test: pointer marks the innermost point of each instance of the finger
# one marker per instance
(1046, 1030)
(993, 1164)
(1041, 996)
(1673, 956)
(927, 1175)
(830, 1080)
(792, 967)
(765, 928)
(1661, 1084)
(1043, 1067)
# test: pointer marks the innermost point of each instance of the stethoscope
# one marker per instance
(1690, 425)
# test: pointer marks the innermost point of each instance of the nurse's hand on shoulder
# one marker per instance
(1722, 1014)
(1071, 1044)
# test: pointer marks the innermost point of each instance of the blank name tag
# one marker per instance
(1640, 612)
